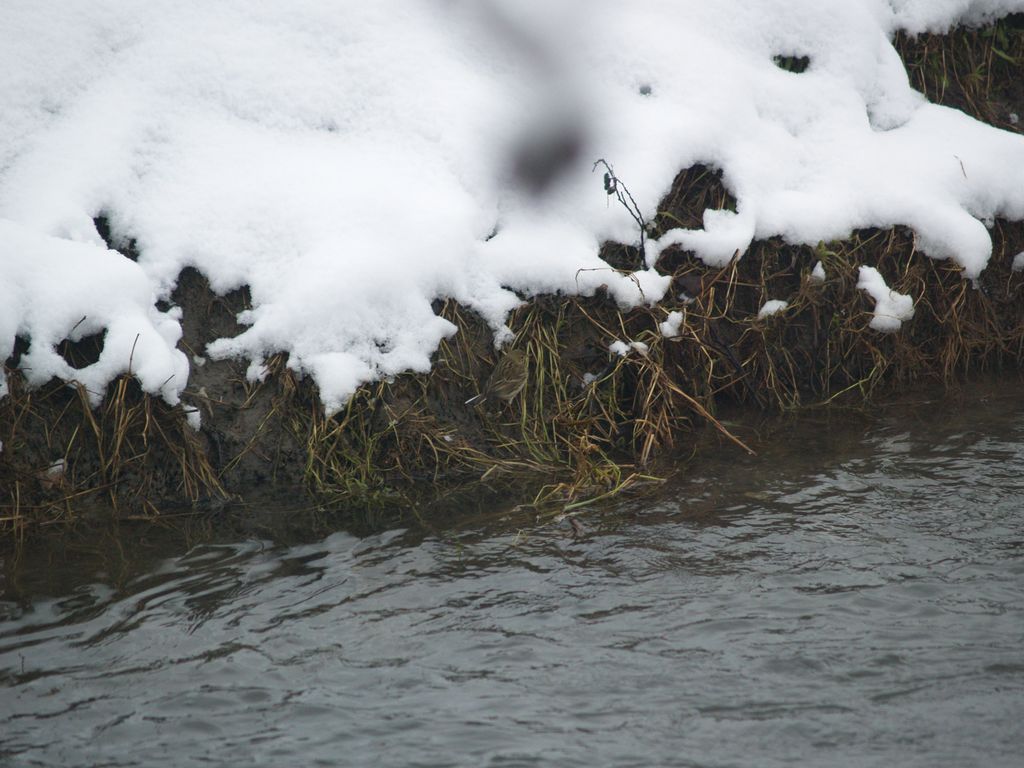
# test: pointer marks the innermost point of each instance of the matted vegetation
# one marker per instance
(132, 452)
(978, 71)
(589, 421)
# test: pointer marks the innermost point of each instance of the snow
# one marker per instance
(55, 288)
(891, 308)
(623, 348)
(351, 163)
(771, 307)
(1018, 262)
(939, 15)
(619, 347)
(670, 326)
(818, 273)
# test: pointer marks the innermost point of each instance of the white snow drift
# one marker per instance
(351, 162)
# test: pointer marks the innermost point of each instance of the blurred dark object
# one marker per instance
(553, 137)
(541, 157)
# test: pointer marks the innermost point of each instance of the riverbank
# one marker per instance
(609, 390)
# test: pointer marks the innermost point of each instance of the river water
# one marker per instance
(851, 596)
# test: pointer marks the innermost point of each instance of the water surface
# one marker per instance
(852, 596)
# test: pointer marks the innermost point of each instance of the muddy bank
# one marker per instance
(589, 420)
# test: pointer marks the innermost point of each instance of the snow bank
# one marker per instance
(353, 162)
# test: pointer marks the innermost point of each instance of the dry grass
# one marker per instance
(597, 420)
(978, 71)
(133, 453)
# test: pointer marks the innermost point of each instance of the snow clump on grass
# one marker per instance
(892, 309)
(771, 307)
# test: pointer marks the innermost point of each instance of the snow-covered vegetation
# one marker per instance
(352, 162)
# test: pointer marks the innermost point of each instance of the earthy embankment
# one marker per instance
(588, 418)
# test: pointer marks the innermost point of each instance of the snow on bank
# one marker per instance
(353, 162)
(61, 289)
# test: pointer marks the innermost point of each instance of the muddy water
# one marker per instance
(852, 596)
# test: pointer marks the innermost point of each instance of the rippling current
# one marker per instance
(852, 596)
